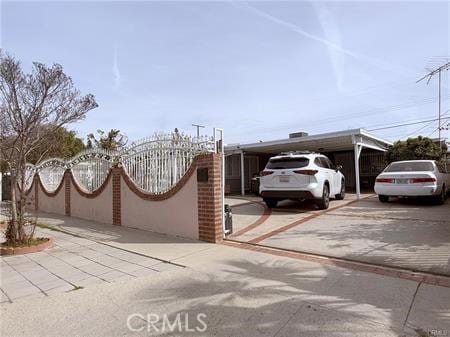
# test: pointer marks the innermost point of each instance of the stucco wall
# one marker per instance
(191, 209)
(54, 204)
(98, 208)
(177, 215)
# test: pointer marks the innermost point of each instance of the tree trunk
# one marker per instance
(12, 230)
(22, 202)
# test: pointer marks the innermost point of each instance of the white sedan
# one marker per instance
(413, 178)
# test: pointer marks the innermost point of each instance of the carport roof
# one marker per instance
(325, 142)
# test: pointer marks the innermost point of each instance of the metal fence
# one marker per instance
(154, 164)
(90, 168)
(51, 173)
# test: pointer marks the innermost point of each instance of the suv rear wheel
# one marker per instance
(341, 195)
(324, 202)
(271, 203)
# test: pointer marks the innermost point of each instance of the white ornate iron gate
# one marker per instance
(155, 164)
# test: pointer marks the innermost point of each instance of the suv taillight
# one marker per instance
(265, 173)
(306, 172)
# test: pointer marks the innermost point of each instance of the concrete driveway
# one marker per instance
(410, 234)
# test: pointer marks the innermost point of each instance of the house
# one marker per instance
(360, 153)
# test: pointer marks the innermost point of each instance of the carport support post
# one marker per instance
(242, 174)
(357, 150)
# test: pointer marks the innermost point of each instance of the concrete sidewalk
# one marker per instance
(241, 293)
(72, 263)
(160, 246)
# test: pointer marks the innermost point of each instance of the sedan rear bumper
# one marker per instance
(407, 190)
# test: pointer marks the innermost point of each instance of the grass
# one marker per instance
(76, 288)
(422, 333)
(31, 243)
(41, 225)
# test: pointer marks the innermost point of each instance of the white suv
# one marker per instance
(301, 175)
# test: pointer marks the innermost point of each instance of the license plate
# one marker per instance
(401, 181)
(284, 179)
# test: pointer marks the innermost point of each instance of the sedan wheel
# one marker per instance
(440, 200)
(271, 203)
(383, 198)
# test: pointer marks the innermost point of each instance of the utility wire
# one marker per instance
(342, 117)
(423, 128)
(405, 124)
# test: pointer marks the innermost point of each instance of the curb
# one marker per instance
(26, 250)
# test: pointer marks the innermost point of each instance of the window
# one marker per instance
(323, 162)
(233, 166)
(372, 163)
(319, 162)
(410, 166)
(287, 163)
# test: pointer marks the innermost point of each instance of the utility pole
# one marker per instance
(198, 129)
(431, 73)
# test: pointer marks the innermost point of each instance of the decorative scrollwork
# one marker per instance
(90, 168)
(51, 173)
(156, 164)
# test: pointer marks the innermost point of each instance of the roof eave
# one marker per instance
(344, 133)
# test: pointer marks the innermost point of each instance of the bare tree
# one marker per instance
(32, 107)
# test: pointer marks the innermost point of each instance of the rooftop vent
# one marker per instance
(298, 134)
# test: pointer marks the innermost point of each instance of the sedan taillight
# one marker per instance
(265, 173)
(422, 180)
(306, 172)
(385, 180)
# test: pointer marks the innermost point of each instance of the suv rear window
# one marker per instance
(287, 163)
(324, 162)
(411, 166)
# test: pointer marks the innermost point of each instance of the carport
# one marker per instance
(334, 143)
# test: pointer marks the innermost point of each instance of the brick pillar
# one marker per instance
(116, 201)
(67, 176)
(209, 198)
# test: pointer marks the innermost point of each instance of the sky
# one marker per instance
(259, 70)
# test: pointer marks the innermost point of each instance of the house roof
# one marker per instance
(325, 142)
